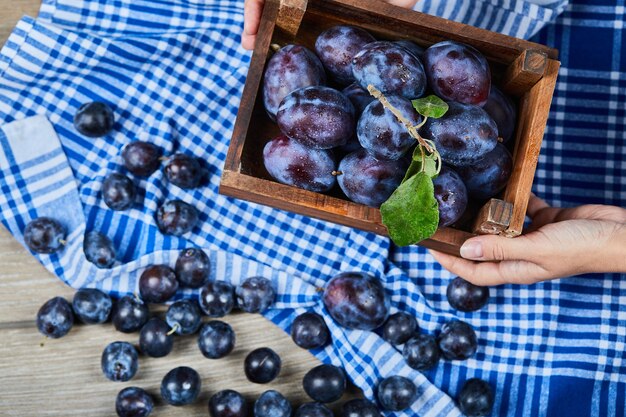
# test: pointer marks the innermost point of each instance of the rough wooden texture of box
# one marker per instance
(525, 70)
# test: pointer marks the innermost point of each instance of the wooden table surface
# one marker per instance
(63, 377)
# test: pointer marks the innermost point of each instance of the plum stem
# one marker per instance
(336, 173)
(411, 128)
(275, 47)
(63, 242)
(174, 329)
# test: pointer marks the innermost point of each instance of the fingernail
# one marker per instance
(472, 250)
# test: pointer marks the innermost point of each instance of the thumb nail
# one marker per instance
(472, 250)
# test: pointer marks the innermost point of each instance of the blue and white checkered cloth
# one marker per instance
(173, 72)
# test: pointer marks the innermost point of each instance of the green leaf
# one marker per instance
(428, 165)
(414, 168)
(430, 106)
(411, 214)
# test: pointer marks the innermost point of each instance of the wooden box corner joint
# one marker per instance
(493, 218)
(290, 14)
(528, 68)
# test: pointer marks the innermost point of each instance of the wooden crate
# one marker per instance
(525, 70)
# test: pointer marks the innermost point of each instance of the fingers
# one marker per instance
(408, 4)
(252, 11)
(535, 205)
(492, 273)
(495, 248)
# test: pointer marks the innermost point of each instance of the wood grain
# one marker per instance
(327, 207)
(532, 118)
(63, 377)
(493, 218)
(524, 72)
(11, 11)
(290, 15)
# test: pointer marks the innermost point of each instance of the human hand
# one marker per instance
(560, 242)
(252, 10)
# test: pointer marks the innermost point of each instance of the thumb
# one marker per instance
(495, 248)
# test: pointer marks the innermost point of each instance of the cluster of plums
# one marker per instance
(141, 159)
(334, 131)
(354, 300)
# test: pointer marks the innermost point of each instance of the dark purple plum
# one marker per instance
(272, 404)
(337, 46)
(451, 196)
(359, 97)
(175, 217)
(99, 250)
(367, 180)
(313, 410)
(142, 158)
(55, 318)
(92, 306)
(289, 69)
(318, 117)
(391, 69)
(228, 403)
(476, 398)
(421, 352)
(44, 235)
(458, 72)
(94, 119)
(184, 317)
(309, 331)
(457, 340)
(465, 296)
(155, 339)
(502, 110)
(360, 408)
(465, 134)
(216, 339)
(382, 134)
(133, 402)
(262, 365)
(291, 163)
(412, 47)
(129, 314)
(183, 171)
(396, 393)
(489, 175)
(181, 386)
(255, 295)
(217, 298)
(399, 328)
(325, 383)
(119, 361)
(157, 284)
(193, 268)
(118, 191)
(356, 300)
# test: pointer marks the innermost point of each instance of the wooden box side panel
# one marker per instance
(425, 29)
(324, 207)
(533, 117)
(252, 87)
